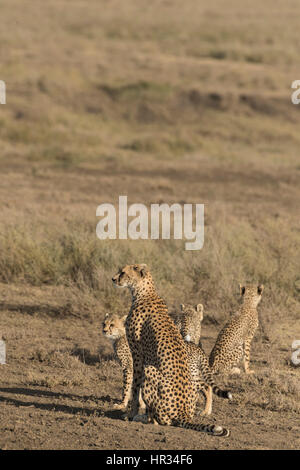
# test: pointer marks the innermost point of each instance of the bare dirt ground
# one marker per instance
(60, 382)
(170, 102)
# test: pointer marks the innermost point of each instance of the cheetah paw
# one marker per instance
(205, 413)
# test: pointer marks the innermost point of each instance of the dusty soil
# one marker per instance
(60, 382)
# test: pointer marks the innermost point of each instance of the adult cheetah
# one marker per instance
(234, 340)
(160, 363)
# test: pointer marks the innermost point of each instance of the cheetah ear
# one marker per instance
(106, 315)
(260, 289)
(199, 309)
(242, 289)
(123, 319)
(144, 270)
(182, 307)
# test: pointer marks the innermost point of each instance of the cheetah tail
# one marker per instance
(208, 428)
(208, 377)
(221, 393)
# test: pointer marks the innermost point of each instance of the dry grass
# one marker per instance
(262, 250)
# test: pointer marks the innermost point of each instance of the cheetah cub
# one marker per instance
(234, 340)
(189, 322)
(160, 362)
(113, 328)
(190, 328)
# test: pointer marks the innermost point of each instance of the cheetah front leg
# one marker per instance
(148, 395)
(127, 386)
(206, 391)
(246, 358)
(136, 386)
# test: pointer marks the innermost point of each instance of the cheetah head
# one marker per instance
(252, 294)
(192, 317)
(113, 327)
(131, 276)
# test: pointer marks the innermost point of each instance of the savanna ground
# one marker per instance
(164, 102)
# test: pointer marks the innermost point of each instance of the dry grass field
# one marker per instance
(162, 101)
